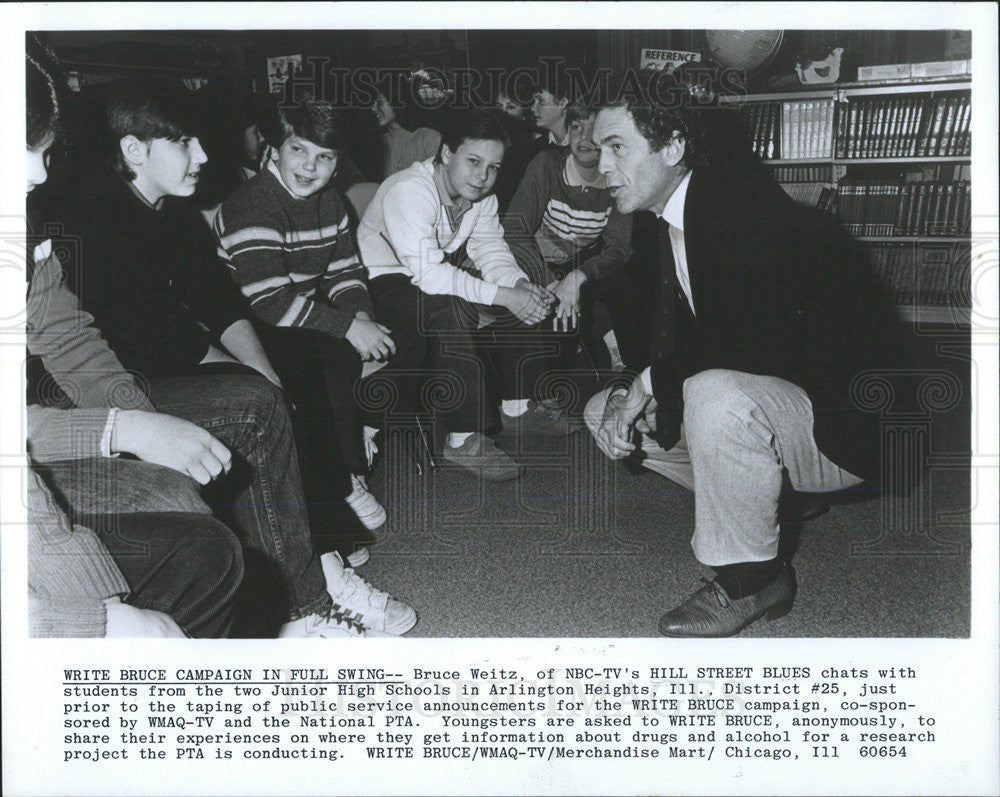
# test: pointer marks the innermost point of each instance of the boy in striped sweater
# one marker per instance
(563, 227)
(284, 236)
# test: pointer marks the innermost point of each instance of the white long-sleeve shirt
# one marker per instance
(406, 229)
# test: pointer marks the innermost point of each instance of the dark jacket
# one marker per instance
(777, 291)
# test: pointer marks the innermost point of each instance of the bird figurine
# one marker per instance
(825, 71)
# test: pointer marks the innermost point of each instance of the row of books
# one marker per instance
(904, 127)
(886, 208)
(806, 129)
(803, 174)
(820, 195)
(939, 279)
(760, 120)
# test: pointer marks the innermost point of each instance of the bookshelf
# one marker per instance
(892, 162)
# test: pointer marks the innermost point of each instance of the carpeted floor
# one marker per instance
(584, 547)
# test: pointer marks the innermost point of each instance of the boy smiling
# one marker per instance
(284, 236)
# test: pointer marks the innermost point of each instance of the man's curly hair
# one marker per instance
(684, 102)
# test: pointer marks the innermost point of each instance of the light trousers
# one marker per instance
(740, 433)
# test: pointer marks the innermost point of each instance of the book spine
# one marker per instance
(853, 134)
(934, 132)
(773, 128)
(948, 128)
(786, 128)
(948, 226)
(902, 204)
(827, 146)
(916, 130)
(842, 113)
(919, 218)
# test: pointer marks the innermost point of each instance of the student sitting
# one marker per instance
(284, 236)
(562, 224)
(551, 99)
(403, 141)
(435, 251)
(129, 263)
(163, 574)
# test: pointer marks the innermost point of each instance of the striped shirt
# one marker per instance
(294, 259)
(555, 219)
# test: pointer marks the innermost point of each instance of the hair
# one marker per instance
(312, 120)
(474, 124)
(555, 80)
(579, 110)
(44, 96)
(147, 109)
(683, 102)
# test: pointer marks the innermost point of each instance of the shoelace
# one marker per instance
(353, 583)
(340, 615)
(720, 593)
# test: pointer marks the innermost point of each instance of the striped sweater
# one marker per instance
(294, 259)
(551, 221)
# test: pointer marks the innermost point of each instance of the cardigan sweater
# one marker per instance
(293, 258)
(551, 221)
(406, 230)
(150, 277)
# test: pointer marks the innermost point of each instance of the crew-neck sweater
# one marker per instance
(551, 221)
(294, 258)
(149, 276)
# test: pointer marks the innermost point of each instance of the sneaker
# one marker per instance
(364, 505)
(358, 600)
(480, 456)
(542, 419)
(325, 625)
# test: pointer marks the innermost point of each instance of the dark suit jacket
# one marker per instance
(777, 291)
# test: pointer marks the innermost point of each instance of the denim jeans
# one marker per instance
(262, 496)
(186, 565)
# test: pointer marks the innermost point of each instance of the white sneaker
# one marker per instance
(323, 625)
(368, 510)
(355, 598)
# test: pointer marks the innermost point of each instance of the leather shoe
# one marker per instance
(710, 612)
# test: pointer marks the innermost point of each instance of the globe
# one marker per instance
(750, 50)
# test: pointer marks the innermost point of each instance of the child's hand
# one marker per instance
(370, 339)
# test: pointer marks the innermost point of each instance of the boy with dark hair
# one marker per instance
(285, 238)
(435, 251)
(146, 269)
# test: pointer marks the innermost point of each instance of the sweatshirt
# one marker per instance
(407, 229)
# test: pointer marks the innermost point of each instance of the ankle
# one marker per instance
(743, 579)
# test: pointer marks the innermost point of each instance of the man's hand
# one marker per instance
(172, 442)
(128, 621)
(529, 302)
(370, 339)
(567, 293)
(623, 412)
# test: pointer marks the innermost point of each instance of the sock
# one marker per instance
(512, 408)
(746, 578)
(612, 343)
(455, 439)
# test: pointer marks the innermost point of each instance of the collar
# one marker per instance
(559, 143)
(673, 211)
(574, 177)
(141, 198)
(277, 176)
(462, 204)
